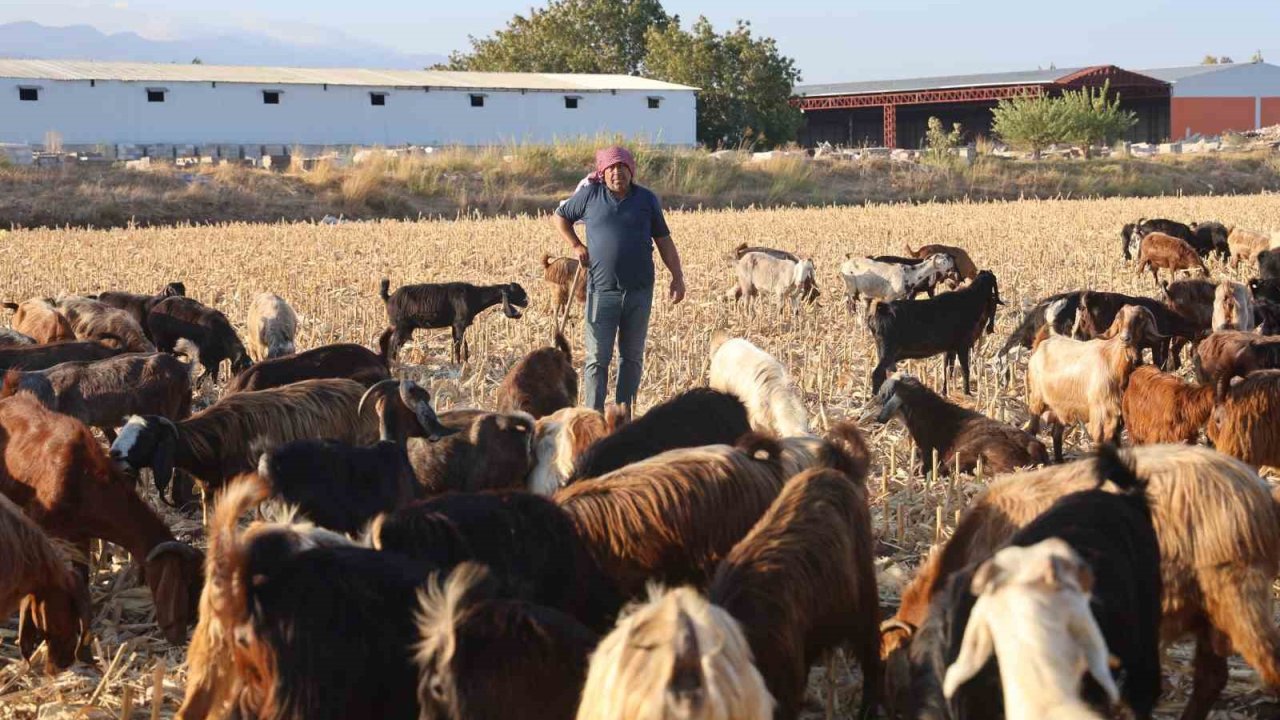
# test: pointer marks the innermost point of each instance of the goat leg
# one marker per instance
(964, 367)
(1209, 679)
(1057, 429)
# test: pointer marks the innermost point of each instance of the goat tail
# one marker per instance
(615, 416)
(563, 346)
(384, 346)
(851, 446)
(227, 589)
(758, 446)
(1109, 465)
(384, 289)
(546, 260)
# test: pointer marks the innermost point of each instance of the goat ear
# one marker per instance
(29, 633)
(986, 578)
(162, 459)
(1085, 632)
(975, 649)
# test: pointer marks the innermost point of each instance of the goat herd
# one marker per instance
(512, 563)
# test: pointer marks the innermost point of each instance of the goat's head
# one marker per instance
(888, 399)
(513, 296)
(57, 614)
(148, 441)
(505, 432)
(174, 572)
(400, 412)
(1136, 327)
(239, 359)
(172, 289)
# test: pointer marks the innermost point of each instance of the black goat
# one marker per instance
(528, 542)
(1033, 319)
(950, 323)
(1269, 264)
(452, 305)
(487, 451)
(139, 306)
(341, 360)
(700, 416)
(1100, 310)
(181, 318)
(1113, 533)
(342, 487)
(1265, 289)
(1212, 234)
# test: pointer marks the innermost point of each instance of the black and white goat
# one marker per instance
(439, 305)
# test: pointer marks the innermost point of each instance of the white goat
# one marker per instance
(761, 382)
(892, 281)
(788, 280)
(1032, 612)
(1233, 307)
(272, 326)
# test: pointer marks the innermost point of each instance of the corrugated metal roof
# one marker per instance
(1174, 74)
(935, 83)
(159, 72)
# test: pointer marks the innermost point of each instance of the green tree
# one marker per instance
(1209, 60)
(1093, 119)
(1031, 122)
(571, 36)
(939, 142)
(744, 82)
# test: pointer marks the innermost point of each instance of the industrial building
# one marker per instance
(110, 103)
(1170, 103)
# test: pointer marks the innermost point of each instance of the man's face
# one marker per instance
(617, 178)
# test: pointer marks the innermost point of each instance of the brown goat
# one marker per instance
(1165, 252)
(100, 322)
(965, 266)
(1244, 424)
(802, 583)
(489, 451)
(59, 475)
(1246, 244)
(543, 382)
(960, 437)
(1160, 407)
(35, 576)
(39, 319)
(1216, 521)
(559, 273)
(1215, 355)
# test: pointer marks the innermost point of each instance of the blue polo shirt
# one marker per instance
(619, 234)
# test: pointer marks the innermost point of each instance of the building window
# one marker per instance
(155, 95)
(378, 99)
(28, 94)
(477, 101)
(655, 103)
(270, 97)
(570, 103)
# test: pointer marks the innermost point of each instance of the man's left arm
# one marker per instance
(667, 251)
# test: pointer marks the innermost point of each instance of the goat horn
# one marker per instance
(172, 546)
(376, 386)
(896, 624)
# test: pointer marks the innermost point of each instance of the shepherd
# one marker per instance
(623, 222)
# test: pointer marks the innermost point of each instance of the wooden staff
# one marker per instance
(568, 301)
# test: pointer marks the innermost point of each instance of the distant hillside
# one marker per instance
(83, 42)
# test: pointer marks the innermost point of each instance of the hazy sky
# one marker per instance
(830, 40)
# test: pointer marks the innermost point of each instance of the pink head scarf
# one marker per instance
(610, 156)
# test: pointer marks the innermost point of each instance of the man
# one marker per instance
(623, 221)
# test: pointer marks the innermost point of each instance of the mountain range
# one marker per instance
(31, 40)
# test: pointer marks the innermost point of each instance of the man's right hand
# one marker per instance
(583, 258)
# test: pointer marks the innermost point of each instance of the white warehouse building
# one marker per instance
(87, 103)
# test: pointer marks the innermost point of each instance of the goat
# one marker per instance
(790, 281)
(1098, 311)
(802, 583)
(486, 451)
(227, 438)
(1269, 264)
(1265, 289)
(559, 438)
(700, 416)
(272, 327)
(104, 393)
(1267, 315)
(485, 657)
(99, 322)
(38, 581)
(139, 306)
(890, 281)
(1133, 234)
(341, 360)
(39, 319)
(957, 436)
(452, 305)
(1243, 424)
(1232, 307)
(1215, 520)
(559, 272)
(1159, 407)
(743, 249)
(529, 543)
(675, 656)
(323, 632)
(1212, 235)
(543, 382)
(59, 475)
(1227, 354)
(42, 357)
(964, 265)
(761, 382)
(1165, 252)
(1084, 381)
(1247, 244)
(1193, 299)
(181, 318)
(1034, 318)
(342, 487)
(950, 324)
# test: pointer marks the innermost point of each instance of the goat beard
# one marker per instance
(509, 310)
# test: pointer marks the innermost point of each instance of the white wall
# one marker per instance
(233, 113)
(1239, 80)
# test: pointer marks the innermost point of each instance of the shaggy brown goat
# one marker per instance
(1215, 355)
(1160, 407)
(802, 583)
(139, 306)
(1244, 424)
(489, 451)
(100, 322)
(486, 657)
(960, 437)
(39, 319)
(1261, 354)
(543, 382)
(1246, 244)
(965, 266)
(559, 273)
(1191, 298)
(56, 471)
(40, 357)
(1216, 521)
(1165, 252)
(341, 360)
